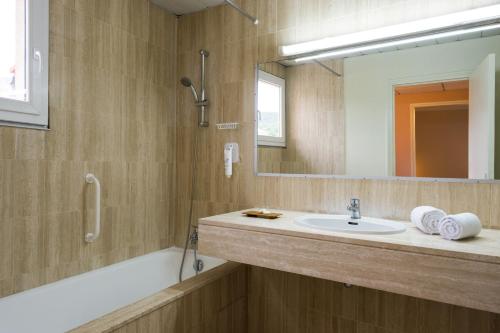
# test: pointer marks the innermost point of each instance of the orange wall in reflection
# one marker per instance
(442, 143)
(402, 122)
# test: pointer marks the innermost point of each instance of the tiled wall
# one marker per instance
(111, 70)
(112, 112)
(282, 302)
(236, 46)
(218, 307)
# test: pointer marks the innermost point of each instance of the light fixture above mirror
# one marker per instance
(475, 23)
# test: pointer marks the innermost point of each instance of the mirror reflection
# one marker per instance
(417, 112)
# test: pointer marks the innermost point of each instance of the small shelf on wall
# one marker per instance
(228, 126)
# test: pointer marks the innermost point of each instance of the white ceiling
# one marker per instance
(180, 7)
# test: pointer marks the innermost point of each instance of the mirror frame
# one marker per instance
(445, 76)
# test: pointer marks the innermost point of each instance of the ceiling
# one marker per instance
(433, 87)
(181, 7)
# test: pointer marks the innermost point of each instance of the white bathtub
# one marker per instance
(69, 303)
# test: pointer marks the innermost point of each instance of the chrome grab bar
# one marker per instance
(92, 236)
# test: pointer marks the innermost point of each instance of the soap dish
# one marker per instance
(262, 215)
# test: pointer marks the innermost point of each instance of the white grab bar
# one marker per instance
(92, 236)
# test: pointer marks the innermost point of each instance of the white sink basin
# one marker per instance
(343, 223)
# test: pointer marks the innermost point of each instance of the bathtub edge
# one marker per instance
(125, 315)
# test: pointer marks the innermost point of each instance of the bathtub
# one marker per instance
(69, 303)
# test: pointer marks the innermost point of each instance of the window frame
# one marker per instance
(33, 113)
(264, 140)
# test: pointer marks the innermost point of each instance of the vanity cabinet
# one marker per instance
(465, 273)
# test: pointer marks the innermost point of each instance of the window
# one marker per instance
(271, 110)
(24, 44)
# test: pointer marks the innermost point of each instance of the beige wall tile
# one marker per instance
(307, 304)
(231, 78)
(112, 112)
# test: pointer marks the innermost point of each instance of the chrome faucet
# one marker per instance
(355, 209)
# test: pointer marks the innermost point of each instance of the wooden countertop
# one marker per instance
(484, 248)
(464, 273)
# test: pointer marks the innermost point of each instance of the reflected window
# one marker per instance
(271, 110)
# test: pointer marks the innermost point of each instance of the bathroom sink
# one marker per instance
(343, 223)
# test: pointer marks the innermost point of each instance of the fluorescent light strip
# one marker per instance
(360, 49)
(411, 28)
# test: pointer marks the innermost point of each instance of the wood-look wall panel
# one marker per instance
(242, 45)
(286, 302)
(112, 112)
(239, 41)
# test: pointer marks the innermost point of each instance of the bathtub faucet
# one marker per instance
(194, 237)
(198, 263)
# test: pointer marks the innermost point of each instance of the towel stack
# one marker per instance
(427, 218)
(432, 220)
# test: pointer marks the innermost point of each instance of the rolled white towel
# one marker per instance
(459, 226)
(427, 218)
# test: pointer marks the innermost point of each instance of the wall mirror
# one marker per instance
(426, 111)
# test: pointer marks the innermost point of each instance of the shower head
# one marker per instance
(187, 83)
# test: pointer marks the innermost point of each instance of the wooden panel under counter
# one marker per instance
(410, 263)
